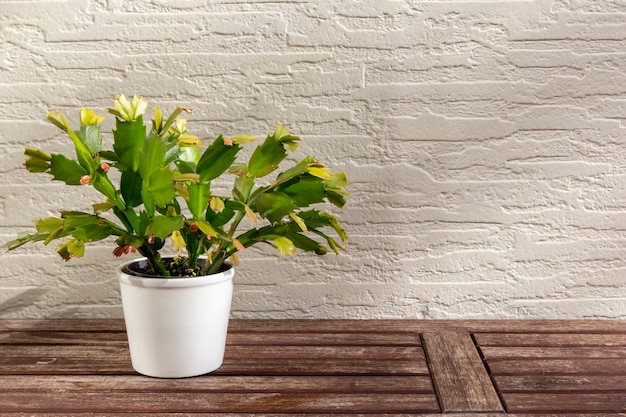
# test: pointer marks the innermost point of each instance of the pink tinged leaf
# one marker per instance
(251, 215)
(216, 204)
(237, 244)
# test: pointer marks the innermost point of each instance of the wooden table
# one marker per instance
(344, 367)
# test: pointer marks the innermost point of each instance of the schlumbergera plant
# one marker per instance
(165, 192)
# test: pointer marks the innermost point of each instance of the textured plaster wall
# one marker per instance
(484, 141)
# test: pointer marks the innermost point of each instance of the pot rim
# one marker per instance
(129, 277)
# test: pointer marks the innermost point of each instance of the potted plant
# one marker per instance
(156, 182)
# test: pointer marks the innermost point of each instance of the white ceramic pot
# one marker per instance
(176, 326)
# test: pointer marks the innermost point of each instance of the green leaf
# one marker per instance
(190, 155)
(307, 244)
(206, 228)
(163, 226)
(85, 158)
(92, 232)
(320, 171)
(75, 219)
(55, 234)
(66, 170)
(130, 186)
(170, 119)
(280, 132)
(285, 246)
(37, 161)
(332, 222)
(220, 219)
(128, 142)
(36, 165)
(152, 155)
(216, 159)
(282, 135)
(240, 139)
(273, 206)
(334, 189)
(109, 156)
(172, 154)
(305, 191)
(295, 171)
(36, 153)
(148, 199)
(48, 225)
(157, 120)
(337, 199)
(266, 157)
(128, 218)
(301, 224)
(90, 136)
(100, 208)
(160, 186)
(242, 189)
(71, 248)
(102, 183)
(24, 238)
(334, 245)
(198, 198)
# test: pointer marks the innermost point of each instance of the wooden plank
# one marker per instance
(550, 383)
(219, 383)
(551, 339)
(558, 372)
(384, 353)
(344, 326)
(146, 402)
(251, 367)
(309, 360)
(327, 339)
(498, 353)
(305, 415)
(220, 414)
(356, 414)
(61, 338)
(282, 339)
(461, 381)
(328, 367)
(421, 326)
(74, 325)
(539, 402)
(558, 367)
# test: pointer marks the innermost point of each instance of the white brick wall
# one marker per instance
(484, 141)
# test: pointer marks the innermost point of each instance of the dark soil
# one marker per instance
(178, 267)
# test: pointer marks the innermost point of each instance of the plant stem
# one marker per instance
(211, 266)
(154, 260)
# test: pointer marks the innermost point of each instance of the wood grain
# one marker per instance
(72, 368)
(461, 381)
(566, 372)
(274, 368)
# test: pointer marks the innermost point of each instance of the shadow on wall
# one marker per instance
(23, 299)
